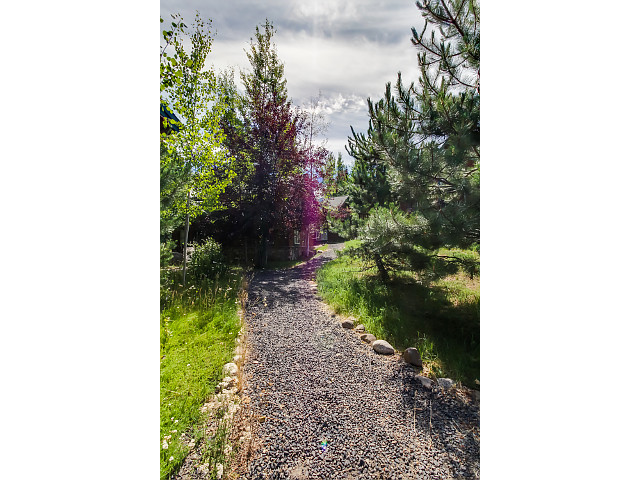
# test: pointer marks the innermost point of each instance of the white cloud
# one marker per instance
(336, 103)
(329, 65)
(347, 50)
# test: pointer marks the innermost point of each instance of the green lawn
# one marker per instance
(197, 337)
(442, 320)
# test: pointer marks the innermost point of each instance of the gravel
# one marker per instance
(329, 407)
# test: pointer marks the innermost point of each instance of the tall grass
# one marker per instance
(198, 327)
(441, 319)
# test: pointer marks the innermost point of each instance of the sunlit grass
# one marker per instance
(321, 248)
(442, 320)
(197, 337)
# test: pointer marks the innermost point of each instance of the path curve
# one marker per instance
(328, 407)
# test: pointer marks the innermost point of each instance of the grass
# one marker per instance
(321, 248)
(442, 319)
(198, 328)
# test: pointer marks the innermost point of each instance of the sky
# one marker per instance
(341, 52)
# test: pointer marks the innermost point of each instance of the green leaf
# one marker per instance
(189, 63)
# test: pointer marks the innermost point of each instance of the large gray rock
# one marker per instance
(367, 337)
(412, 356)
(348, 323)
(360, 328)
(445, 382)
(426, 382)
(383, 347)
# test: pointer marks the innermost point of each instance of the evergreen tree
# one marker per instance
(427, 138)
(342, 176)
(328, 174)
(277, 166)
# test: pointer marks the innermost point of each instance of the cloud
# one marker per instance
(328, 106)
(347, 50)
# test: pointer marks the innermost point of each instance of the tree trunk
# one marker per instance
(186, 239)
(381, 268)
(262, 254)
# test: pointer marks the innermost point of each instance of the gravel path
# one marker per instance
(328, 407)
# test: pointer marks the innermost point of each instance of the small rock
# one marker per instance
(230, 369)
(383, 347)
(236, 358)
(426, 382)
(445, 382)
(222, 386)
(360, 328)
(230, 391)
(412, 356)
(348, 323)
(367, 337)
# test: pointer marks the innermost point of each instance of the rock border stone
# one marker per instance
(409, 355)
(226, 398)
(383, 347)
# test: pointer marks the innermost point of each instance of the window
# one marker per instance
(296, 237)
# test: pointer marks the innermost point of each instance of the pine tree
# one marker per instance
(427, 137)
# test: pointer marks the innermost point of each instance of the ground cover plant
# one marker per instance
(198, 328)
(440, 317)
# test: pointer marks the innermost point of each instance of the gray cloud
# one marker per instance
(346, 49)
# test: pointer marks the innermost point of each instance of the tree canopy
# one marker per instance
(276, 184)
(190, 90)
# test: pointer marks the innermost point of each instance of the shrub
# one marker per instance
(207, 261)
(166, 253)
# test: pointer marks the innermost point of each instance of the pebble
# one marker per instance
(348, 323)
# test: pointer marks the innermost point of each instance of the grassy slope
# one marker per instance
(197, 336)
(442, 321)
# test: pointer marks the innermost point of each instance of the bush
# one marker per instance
(166, 253)
(207, 261)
